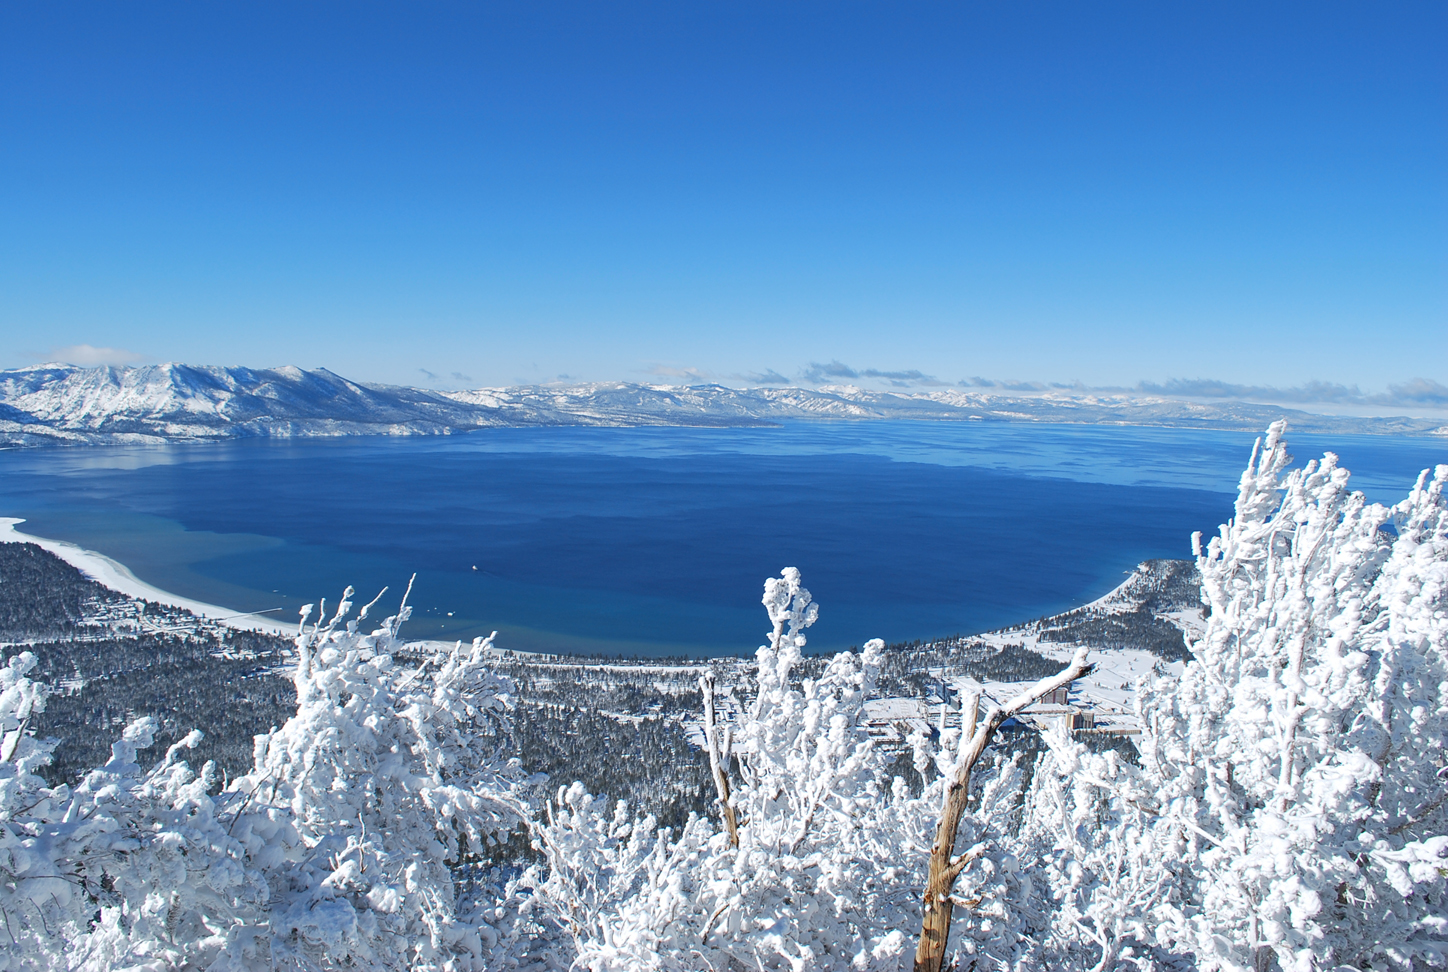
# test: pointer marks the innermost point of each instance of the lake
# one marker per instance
(657, 541)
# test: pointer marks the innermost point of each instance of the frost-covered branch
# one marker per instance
(720, 743)
(945, 868)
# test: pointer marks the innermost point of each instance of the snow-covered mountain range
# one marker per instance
(58, 403)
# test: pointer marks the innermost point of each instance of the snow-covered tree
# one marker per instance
(335, 851)
(814, 878)
(827, 864)
(1101, 868)
(131, 870)
(1007, 908)
(34, 895)
(39, 897)
(357, 806)
(1291, 804)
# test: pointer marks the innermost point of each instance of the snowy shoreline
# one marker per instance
(118, 577)
(115, 575)
(1118, 667)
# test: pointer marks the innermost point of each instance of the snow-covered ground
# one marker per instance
(1106, 693)
(1109, 690)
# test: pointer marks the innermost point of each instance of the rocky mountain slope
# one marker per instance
(58, 404)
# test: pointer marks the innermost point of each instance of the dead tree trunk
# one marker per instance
(719, 752)
(945, 867)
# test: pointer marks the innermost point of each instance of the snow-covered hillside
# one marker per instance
(1140, 627)
(173, 401)
(57, 403)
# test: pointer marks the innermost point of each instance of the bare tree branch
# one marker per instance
(719, 759)
(944, 867)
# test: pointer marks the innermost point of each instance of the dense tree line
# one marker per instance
(647, 761)
(1163, 585)
(636, 688)
(42, 596)
(1129, 629)
(115, 659)
(906, 668)
(180, 682)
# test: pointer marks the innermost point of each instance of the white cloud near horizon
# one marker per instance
(673, 371)
(89, 356)
(820, 374)
(1417, 392)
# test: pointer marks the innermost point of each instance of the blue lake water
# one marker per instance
(657, 541)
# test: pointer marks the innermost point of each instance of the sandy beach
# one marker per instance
(118, 577)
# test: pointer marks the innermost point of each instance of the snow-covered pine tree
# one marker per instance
(35, 895)
(356, 808)
(832, 849)
(130, 870)
(334, 852)
(1101, 867)
(818, 878)
(1291, 806)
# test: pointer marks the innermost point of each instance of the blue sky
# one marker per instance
(496, 193)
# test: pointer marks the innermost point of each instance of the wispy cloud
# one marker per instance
(1314, 391)
(1419, 391)
(452, 380)
(1416, 393)
(768, 377)
(674, 371)
(820, 374)
(1016, 385)
(88, 356)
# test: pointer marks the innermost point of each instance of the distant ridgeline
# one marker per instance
(64, 404)
(618, 727)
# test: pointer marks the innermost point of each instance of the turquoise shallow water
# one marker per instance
(657, 541)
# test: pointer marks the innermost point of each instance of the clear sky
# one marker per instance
(496, 193)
